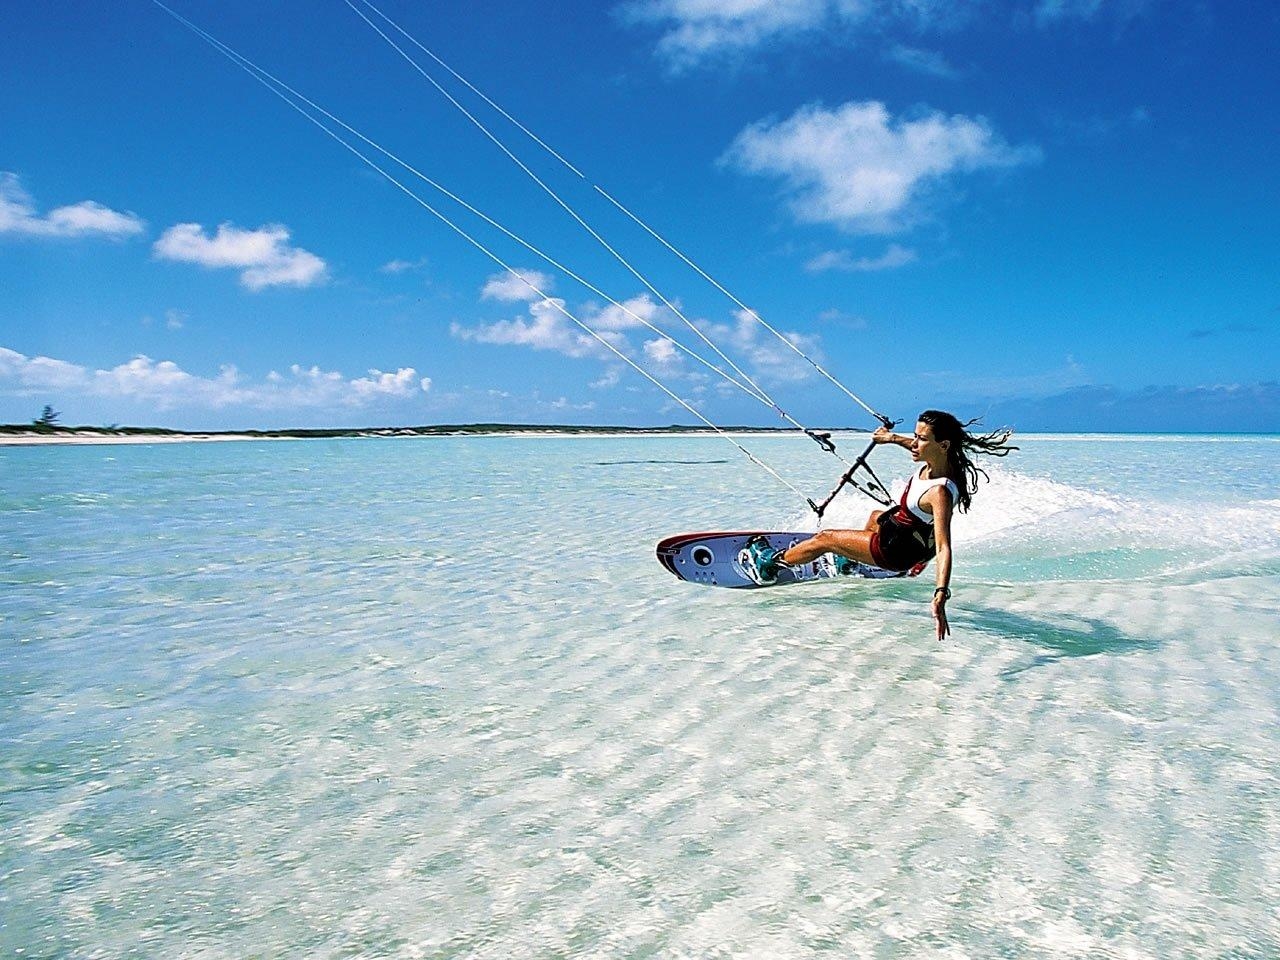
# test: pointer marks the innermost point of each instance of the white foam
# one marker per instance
(1017, 507)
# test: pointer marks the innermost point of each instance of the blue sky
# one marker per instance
(1059, 214)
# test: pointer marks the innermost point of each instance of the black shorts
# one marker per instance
(899, 546)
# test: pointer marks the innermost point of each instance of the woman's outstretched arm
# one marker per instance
(885, 435)
(940, 500)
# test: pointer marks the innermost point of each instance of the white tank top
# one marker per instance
(917, 488)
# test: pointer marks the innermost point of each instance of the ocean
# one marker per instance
(435, 698)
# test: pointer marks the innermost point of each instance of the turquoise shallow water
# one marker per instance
(435, 698)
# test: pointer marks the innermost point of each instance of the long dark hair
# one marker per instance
(960, 468)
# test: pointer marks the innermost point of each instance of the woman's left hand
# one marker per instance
(940, 615)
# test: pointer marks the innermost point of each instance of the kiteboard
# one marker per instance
(712, 559)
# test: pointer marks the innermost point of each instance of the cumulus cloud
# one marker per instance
(37, 372)
(662, 351)
(628, 314)
(859, 168)
(263, 256)
(549, 327)
(18, 215)
(545, 328)
(166, 385)
(403, 383)
(518, 287)
(894, 257)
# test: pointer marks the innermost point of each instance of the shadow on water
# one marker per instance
(1064, 639)
(1078, 637)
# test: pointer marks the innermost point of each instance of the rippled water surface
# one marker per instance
(435, 698)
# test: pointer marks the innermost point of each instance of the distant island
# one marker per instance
(53, 432)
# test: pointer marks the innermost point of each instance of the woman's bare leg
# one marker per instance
(854, 544)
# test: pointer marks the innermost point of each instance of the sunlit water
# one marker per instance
(435, 698)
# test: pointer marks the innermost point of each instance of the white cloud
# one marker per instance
(700, 28)
(403, 383)
(697, 32)
(18, 215)
(662, 351)
(857, 167)
(561, 404)
(627, 314)
(922, 61)
(610, 379)
(510, 288)
(166, 385)
(37, 372)
(767, 358)
(548, 326)
(895, 256)
(402, 266)
(703, 30)
(163, 383)
(263, 256)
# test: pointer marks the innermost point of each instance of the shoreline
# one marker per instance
(17, 436)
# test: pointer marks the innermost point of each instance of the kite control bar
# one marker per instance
(873, 487)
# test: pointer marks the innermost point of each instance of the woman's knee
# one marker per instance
(838, 541)
(825, 539)
(854, 544)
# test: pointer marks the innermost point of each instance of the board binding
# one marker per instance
(711, 559)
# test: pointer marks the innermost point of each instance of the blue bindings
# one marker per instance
(844, 566)
(760, 562)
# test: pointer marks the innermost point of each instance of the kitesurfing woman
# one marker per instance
(919, 527)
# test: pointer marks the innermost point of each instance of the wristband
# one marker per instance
(945, 591)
